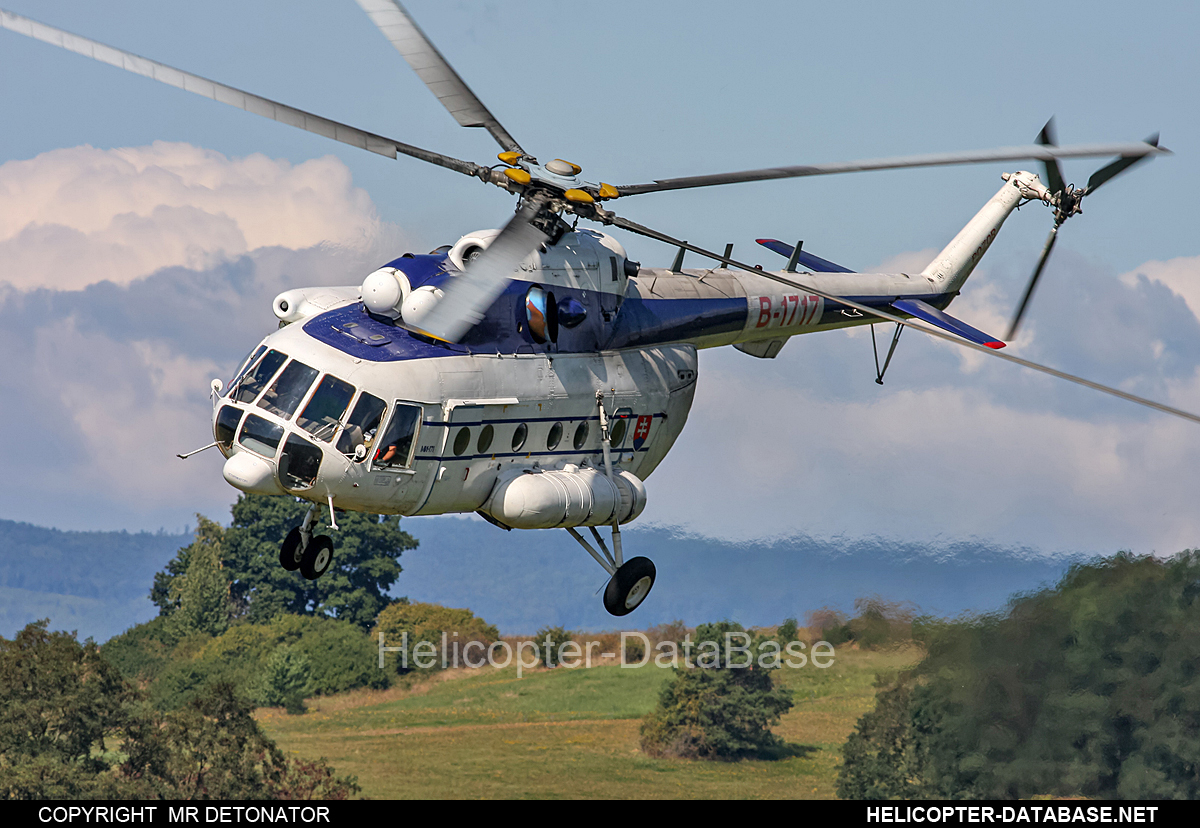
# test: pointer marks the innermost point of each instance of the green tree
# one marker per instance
(721, 708)
(1088, 689)
(354, 589)
(59, 702)
(285, 679)
(64, 711)
(198, 598)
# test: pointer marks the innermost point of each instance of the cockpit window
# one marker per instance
(254, 382)
(363, 424)
(396, 448)
(324, 412)
(260, 436)
(287, 391)
(241, 372)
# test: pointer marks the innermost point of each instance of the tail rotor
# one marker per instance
(1067, 200)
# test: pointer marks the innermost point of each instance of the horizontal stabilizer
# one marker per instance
(928, 313)
(806, 260)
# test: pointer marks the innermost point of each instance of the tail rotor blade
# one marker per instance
(1037, 273)
(467, 297)
(1054, 176)
(1117, 167)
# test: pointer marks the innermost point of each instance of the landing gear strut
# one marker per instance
(629, 581)
(300, 550)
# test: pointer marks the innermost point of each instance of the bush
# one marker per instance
(1088, 689)
(716, 710)
(550, 641)
(340, 657)
(427, 626)
(284, 680)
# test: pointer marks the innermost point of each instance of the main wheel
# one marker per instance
(629, 586)
(291, 550)
(317, 557)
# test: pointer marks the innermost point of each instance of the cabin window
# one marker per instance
(462, 440)
(581, 435)
(396, 448)
(519, 435)
(363, 424)
(324, 412)
(485, 439)
(286, 392)
(255, 381)
(535, 313)
(617, 432)
(260, 436)
(612, 260)
(554, 437)
(299, 463)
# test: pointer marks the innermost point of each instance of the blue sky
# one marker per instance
(111, 379)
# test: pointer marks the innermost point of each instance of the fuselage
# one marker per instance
(346, 407)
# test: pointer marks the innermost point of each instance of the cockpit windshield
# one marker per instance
(324, 412)
(287, 391)
(241, 372)
(253, 383)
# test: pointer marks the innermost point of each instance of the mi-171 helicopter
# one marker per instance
(534, 374)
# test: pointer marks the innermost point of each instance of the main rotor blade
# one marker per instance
(1115, 168)
(467, 297)
(634, 227)
(227, 94)
(1026, 153)
(1054, 176)
(1033, 280)
(402, 31)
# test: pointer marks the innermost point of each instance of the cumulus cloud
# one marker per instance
(957, 445)
(74, 217)
(134, 276)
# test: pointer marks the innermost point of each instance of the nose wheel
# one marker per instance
(300, 550)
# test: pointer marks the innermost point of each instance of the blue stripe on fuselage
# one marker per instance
(654, 321)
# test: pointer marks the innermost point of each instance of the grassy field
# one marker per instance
(569, 733)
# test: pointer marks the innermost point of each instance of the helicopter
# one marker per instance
(534, 374)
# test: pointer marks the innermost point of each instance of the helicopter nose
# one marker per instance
(251, 474)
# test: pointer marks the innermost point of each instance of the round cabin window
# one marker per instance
(519, 435)
(581, 435)
(617, 432)
(485, 439)
(462, 440)
(554, 437)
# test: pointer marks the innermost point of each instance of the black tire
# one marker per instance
(628, 588)
(291, 550)
(317, 557)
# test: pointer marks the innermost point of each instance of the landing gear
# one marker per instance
(300, 550)
(629, 586)
(317, 557)
(292, 550)
(629, 581)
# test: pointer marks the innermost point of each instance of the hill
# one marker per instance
(95, 582)
(98, 582)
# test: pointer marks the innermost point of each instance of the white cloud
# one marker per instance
(957, 445)
(134, 277)
(74, 217)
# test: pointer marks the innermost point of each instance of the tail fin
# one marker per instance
(954, 264)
